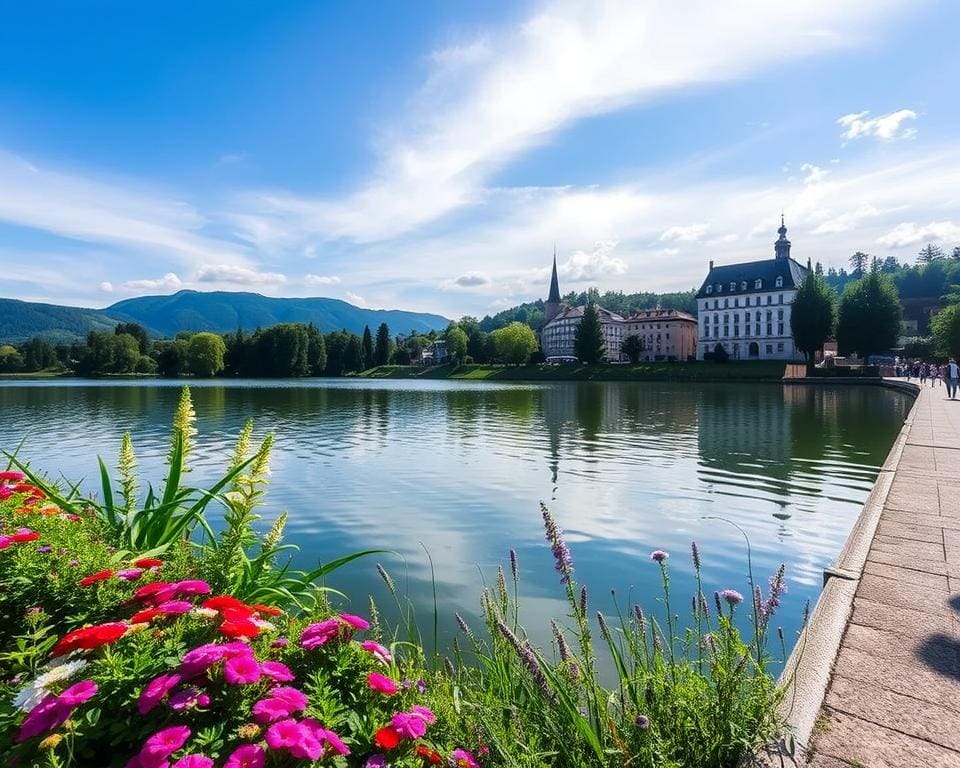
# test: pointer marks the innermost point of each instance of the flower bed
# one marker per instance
(199, 649)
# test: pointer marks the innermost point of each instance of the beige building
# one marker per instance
(667, 334)
(558, 334)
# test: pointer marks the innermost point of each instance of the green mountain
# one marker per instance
(22, 320)
(218, 311)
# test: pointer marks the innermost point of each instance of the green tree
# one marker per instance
(945, 329)
(316, 351)
(633, 347)
(38, 355)
(172, 358)
(353, 355)
(11, 361)
(367, 348)
(869, 317)
(813, 316)
(384, 345)
(416, 343)
(205, 352)
(138, 332)
(282, 350)
(858, 263)
(336, 343)
(588, 343)
(457, 342)
(514, 344)
(930, 252)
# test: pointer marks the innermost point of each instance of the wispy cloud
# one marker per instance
(321, 280)
(228, 273)
(887, 127)
(908, 233)
(169, 282)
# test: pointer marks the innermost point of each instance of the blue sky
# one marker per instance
(429, 155)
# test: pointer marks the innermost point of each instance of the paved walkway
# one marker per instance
(894, 698)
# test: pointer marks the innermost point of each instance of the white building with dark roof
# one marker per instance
(746, 307)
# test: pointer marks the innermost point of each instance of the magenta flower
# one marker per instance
(380, 653)
(376, 761)
(280, 642)
(241, 670)
(187, 698)
(164, 743)
(194, 761)
(409, 725)
(46, 716)
(381, 684)
(322, 735)
(201, 658)
(5, 541)
(78, 693)
(319, 634)
(270, 710)
(461, 758)
(129, 574)
(425, 713)
(191, 587)
(155, 690)
(357, 622)
(277, 671)
(247, 756)
(174, 607)
(563, 561)
(659, 556)
(289, 696)
(284, 734)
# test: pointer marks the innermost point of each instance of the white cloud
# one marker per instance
(488, 99)
(596, 264)
(466, 281)
(321, 280)
(227, 273)
(106, 286)
(847, 220)
(689, 234)
(356, 299)
(909, 233)
(169, 282)
(884, 127)
(815, 174)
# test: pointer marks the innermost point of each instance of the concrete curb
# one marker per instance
(809, 669)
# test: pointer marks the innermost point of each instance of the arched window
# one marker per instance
(779, 283)
(757, 284)
(743, 285)
(709, 289)
(733, 286)
(719, 287)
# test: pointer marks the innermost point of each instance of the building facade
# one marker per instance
(558, 334)
(746, 307)
(667, 334)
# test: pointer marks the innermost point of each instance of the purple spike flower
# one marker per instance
(695, 551)
(563, 561)
(659, 556)
(732, 597)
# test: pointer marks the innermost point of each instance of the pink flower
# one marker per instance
(408, 725)
(284, 734)
(247, 756)
(425, 712)
(201, 658)
(46, 716)
(164, 743)
(17, 477)
(269, 710)
(319, 634)
(129, 574)
(324, 736)
(78, 693)
(463, 759)
(277, 671)
(191, 587)
(241, 670)
(357, 622)
(155, 690)
(289, 696)
(194, 761)
(5, 541)
(172, 607)
(186, 698)
(381, 684)
(380, 653)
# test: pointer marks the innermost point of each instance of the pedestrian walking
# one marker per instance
(924, 368)
(953, 374)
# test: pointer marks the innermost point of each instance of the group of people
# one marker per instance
(949, 373)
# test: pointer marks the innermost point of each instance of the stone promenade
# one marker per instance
(894, 697)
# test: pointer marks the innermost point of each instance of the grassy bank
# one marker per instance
(688, 371)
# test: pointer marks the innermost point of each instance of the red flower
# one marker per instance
(25, 536)
(267, 610)
(386, 738)
(241, 628)
(93, 578)
(429, 755)
(148, 562)
(223, 602)
(145, 616)
(90, 637)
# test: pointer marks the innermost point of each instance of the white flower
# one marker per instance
(264, 625)
(208, 613)
(35, 691)
(59, 672)
(29, 696)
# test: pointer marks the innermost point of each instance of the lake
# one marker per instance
(459, 469)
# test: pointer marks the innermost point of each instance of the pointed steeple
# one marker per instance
(782, 246)
(554, 297)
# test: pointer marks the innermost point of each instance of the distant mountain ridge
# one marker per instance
(217, 311)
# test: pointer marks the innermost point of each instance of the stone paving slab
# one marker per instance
(894, 696)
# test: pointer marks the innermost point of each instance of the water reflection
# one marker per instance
(460, 468)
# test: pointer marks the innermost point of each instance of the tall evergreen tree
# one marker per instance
(316, 351)
(633, 347)
(381, 352)
(869, 317)
(930, 252)
(353, 354)
(813, 316)
(588, 343)
(858, 263)
(367, 347)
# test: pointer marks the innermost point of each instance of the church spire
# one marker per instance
(554, 297)
(782, 247)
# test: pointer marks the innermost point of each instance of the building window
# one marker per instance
(757, 284)
(757, 330)
(726, 303)
(743, 285)
(780, 299)
(769, 300)
(769, 329)
(780, 346)
(726, 330)
(736, 302)
(733, 286)
(716, 319)
(719, 288)
(769, 349)
(779, 329)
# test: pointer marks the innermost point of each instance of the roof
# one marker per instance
(663, 315)
(569, 313)
(767, 270)
(554, 297)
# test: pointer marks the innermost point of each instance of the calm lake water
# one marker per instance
(459, 469)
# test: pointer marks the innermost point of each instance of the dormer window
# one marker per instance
(779, 282)
(743, 285)
(719, 288)
(709, 289)
(733, 286)
(757, 284)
